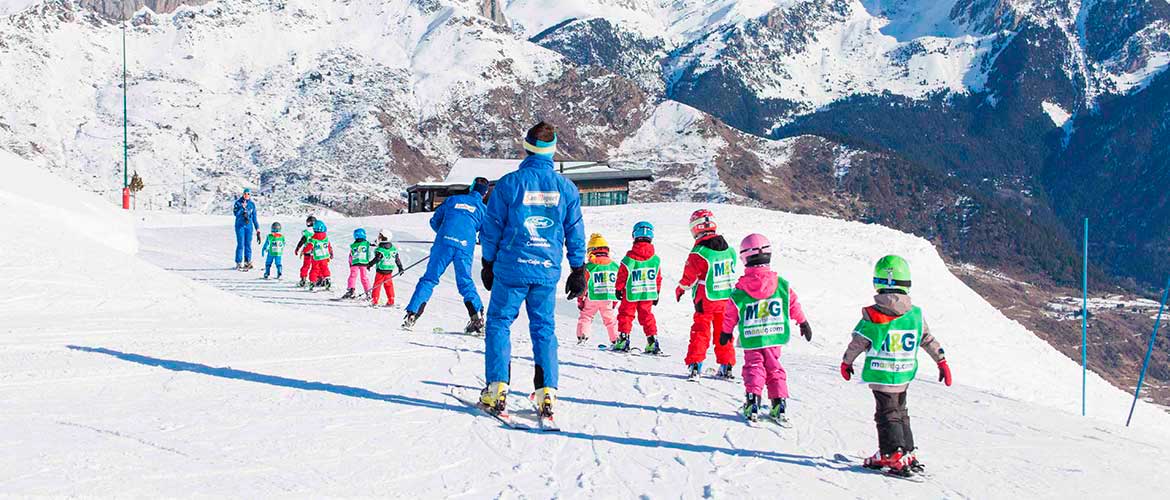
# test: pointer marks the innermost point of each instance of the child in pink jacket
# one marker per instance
(762, 309)
(601, 275)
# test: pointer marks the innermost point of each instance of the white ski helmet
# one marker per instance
(386, 234)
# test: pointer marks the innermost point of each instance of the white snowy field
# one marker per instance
(152, 369)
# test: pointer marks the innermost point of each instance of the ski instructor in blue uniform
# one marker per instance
(245, 212)
(456, 223)
(533, 217)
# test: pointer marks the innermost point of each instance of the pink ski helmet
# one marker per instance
(754, 244)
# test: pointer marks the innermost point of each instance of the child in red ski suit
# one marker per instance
(638, 284)
(601, 293)
(710, 272)
(322, 252)
(385, 260)
(761, 311)
(305, 250)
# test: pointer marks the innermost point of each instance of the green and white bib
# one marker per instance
(275, 244)
(720, 280)
(388, 261)
(763, 322)
(320, 248)
(359, 253)
(642, 278)
(893, 348)
(602, 281)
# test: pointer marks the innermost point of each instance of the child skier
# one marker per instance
(384, 261)
(359, 255)
(274, 247)
(322, 252)
(890, 333)
(639, 282)
(710, 272)
(601, 272)
(305, 251)
(762, 309)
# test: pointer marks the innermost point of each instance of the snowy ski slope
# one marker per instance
(152, 369)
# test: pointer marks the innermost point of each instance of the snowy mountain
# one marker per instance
(173, 375)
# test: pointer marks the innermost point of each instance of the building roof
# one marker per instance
(465, 170)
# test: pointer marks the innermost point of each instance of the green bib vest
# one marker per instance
(763, 322)
(642, 279)
(893, 350)
(359, 253)
(320, 248)
(602, 281)
(388, 261)
(275, 244)
(720, 271)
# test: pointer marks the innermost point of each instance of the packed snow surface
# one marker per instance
(163, 372)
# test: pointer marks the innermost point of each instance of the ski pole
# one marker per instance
(407, 268)
(1149, 350)
(421, 242)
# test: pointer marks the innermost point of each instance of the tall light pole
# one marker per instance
(125, 130)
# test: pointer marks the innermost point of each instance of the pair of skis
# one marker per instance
(508, 417)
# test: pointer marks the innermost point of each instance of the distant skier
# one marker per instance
(322, 251)
(639, 282)
(761, 310)
(533, 218)
(303, 249)
(246, 222)
(456, 224)
(710, 272)
(384, 262)
(360, 253)
(601, 272)
(274, 247)
(890, 333)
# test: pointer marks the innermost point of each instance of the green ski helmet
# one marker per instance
(891, 271)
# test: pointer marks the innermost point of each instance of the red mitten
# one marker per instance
(846, 370)
(678, 293)
(944, 372)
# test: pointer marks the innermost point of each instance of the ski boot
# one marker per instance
(349, 294)
(239, 266)
(694, 371)
(751, 408)
(408, 321)
(264, 277)
(544, 399)
(279, 275)
(328, 284)
(652, 346)
(725, 372)
(912, 461)
(779, 405)
(622, 344)
(303, 283)
(248, 266)
(475, 325)
(582, 340)
(494, 398)
(895, 463)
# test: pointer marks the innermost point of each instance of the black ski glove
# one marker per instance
(257, 237)
(655, 301)
(806, 331)
(575, 285)
(486, 275)
(725, 338)
(621, 295)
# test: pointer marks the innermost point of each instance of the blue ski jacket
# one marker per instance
(533, 217)
(245, 212)
(457, 221)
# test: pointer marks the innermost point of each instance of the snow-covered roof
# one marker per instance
(465, 170)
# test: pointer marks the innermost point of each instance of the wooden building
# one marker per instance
(598, 182)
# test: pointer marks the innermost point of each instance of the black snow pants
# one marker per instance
(893, 422)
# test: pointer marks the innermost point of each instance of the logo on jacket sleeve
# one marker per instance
(542, 198)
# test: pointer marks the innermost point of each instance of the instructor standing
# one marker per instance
(246, 222)
(533, 218)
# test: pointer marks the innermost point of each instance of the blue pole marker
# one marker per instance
(1149, 350)
(1085, 318)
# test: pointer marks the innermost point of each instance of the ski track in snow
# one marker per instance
(166, 373)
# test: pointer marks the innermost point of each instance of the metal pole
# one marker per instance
(1149, 350)
(1085, 318)
(125, 129)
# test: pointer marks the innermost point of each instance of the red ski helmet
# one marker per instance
(702, 222)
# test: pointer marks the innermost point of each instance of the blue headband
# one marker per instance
(541, 147)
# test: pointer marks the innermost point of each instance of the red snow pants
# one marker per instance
(705, 330)
(626, 312)
(320, 270)
(383, 280)
(306, 266)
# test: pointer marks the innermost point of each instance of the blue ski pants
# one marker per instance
(504, 306)
(443, 255)
(273, 259)
(243, 244)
